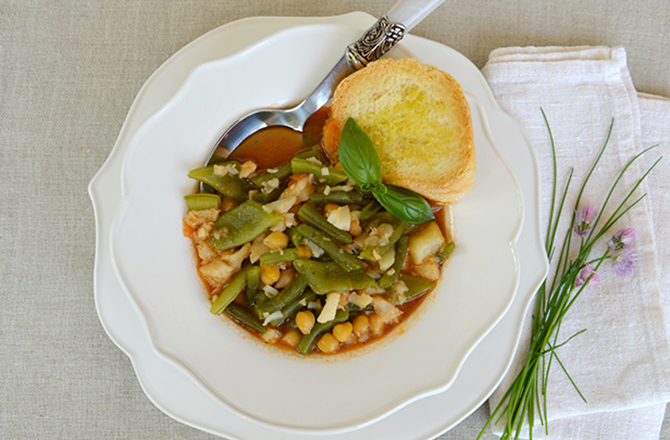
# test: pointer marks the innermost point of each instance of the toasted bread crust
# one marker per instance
(419, 120)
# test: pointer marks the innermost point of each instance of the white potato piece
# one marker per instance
(425, 242)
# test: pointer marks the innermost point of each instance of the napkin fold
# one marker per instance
(621, 364)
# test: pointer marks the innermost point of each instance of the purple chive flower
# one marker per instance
(584, 274)
(584, 218)
(622, 239)
(624, 262)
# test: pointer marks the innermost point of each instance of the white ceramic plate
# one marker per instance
(163, 382)
(154, 260)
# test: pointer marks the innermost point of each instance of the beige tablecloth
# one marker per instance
(69, 71)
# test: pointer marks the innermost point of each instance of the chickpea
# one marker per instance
(361, 325)
(269, 274)
(276, 240)
(330, 207)
(342, 332)
(376, 323)
(227, 204)
(305, 321)
(327, 343)
(292, 338)
(304, 252)
(286, 278)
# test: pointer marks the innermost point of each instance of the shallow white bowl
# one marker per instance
(154, 261)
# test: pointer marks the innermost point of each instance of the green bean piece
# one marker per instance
(283, 298)
(264, 198)
(253, 283)
(228, 185)
(307, 341)
(311, 216)
(370, 253)
(416, 285)
(244, 317)
(279, 256)
(294, 236)
(287, 312)
(312, 153)
(260, 298)
(339, 255)
(387, 217)
(444, 253)
(339, 197)
(281, 173)
(198, 202)
(369, 210)
(304, 166)
(324, 278)
(242, 224)
(228, 294)
(285, 170)
(387, 280)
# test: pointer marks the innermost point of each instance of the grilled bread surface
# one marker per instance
(418, 120)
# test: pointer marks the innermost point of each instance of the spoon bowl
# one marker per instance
(374, 43)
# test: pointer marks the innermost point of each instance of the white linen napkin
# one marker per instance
(621, 364)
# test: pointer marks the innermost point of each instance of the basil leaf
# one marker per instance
(404, 204)
(358, 156)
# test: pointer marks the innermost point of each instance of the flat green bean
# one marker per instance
(285, 170)
(228, 185)
(242, 316)
(333, 176)
(311, 216)
(307, 341)
(198, 202)
(281, 173)
(329, 277)
(339, 255)
(312, 153)
(338, 197)
(415, 285)
(242, 224)
(228, 294)
(279, 256)
(264, 198)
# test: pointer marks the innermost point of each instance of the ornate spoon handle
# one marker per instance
(388, 30)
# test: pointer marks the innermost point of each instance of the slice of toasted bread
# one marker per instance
(419, 122)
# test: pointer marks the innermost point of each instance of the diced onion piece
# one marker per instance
(360, 300)
(220, 170)
(247, 169)
(330, 308)
(340, 218)
(387, 311)
(272, 316)
(387, 260)
(281, 206)
(316, 250)
(270, 291)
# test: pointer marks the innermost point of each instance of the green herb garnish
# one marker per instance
(360, 161)
(526, 398)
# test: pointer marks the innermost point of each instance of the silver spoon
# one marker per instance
(374, 43)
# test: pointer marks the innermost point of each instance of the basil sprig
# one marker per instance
(360, 161)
